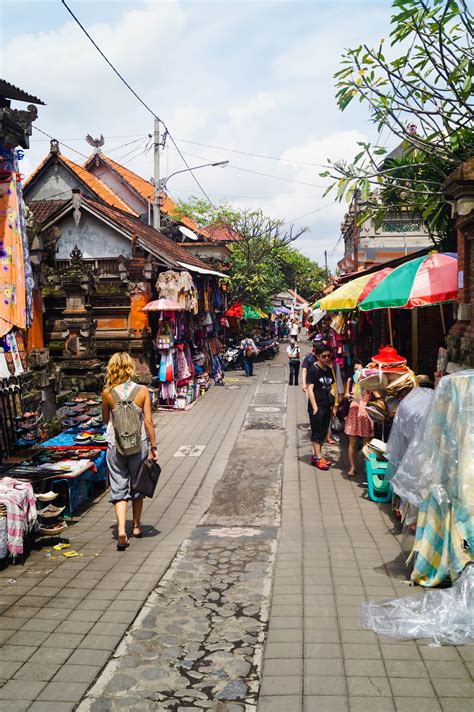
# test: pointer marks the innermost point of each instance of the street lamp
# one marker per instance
(160, 186)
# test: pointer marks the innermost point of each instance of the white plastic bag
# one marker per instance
(445, 615)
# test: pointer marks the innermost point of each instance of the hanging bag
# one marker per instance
(147, 478)
(127, 423)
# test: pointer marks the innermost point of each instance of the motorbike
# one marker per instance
(233, 357)
(267, 348)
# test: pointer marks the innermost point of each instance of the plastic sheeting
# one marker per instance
(445, 452)
(444, 615)
(405, 438)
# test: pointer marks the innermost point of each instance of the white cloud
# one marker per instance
(255, 77)
(253, 108)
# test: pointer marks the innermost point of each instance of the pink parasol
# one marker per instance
(163, 305)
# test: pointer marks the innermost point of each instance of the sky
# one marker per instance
(246, 76)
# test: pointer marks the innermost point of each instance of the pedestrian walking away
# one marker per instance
(321, 387)
(131, 438)
(249, 351)
(295, 329)
(294, 356)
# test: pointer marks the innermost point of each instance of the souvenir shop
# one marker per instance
(420, 460)
(42, 481)
(187, 330)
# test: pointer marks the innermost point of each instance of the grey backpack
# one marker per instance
(127, 423)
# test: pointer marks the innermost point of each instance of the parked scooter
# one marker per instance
(233, 357)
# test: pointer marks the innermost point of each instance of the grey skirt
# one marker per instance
(123, 472)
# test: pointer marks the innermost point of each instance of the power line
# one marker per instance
(256, 197)
(253, 155)
(129, 143)
(137, 96)
(60, 142)
(323, 207)
(259, 173)
(106, 137)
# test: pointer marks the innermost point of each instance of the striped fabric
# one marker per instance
(20, 503)
(444, 541)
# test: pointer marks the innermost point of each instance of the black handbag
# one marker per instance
(148, 477)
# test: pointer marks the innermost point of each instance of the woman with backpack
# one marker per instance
(131, 438)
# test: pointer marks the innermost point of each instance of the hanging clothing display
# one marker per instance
(12, 272)
(186, 340)
(12, 220)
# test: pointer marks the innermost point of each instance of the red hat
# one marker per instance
(387, 355)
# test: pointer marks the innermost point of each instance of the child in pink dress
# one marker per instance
(358, 423)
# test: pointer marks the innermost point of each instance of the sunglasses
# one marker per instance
(325, 356)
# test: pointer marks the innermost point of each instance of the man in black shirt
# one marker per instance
(320, 382)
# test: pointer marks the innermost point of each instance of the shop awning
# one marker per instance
(245, 311)
(201, 270)
(424, 281)
(350, 295)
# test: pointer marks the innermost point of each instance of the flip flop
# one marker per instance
(122, 545)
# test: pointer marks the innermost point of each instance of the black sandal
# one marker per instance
(121, 546)
(139, 535)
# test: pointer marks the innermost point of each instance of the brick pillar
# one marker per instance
(460, 189)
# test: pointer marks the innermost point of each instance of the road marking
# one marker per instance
(267, 409)
(189, 451)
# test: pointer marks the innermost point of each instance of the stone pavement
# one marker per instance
(181, 619)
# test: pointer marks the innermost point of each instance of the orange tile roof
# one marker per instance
(222, 233)
(145, 189)
(148, 234)
(97, 186)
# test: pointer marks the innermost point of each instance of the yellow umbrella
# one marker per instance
(346, 297)
(262, 313)
(350, 295)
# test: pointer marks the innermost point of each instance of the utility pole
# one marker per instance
(326, 264)
(156, 175)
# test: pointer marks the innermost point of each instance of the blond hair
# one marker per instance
(120, 368)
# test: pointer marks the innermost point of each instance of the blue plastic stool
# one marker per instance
(379, 489)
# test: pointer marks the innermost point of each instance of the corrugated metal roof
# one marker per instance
(10, 91)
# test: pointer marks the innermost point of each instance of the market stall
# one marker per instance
(186, 335)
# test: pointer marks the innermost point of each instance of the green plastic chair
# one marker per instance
(379, 490)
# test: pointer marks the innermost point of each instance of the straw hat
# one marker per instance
(406, 380)
(373, 381)
(376, 409)
(375, 447)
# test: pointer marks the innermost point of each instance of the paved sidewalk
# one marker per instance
(337, 549)
(61, 620)
(230, 602)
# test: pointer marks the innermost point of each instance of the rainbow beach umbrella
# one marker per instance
(350, 295)
(424, 281)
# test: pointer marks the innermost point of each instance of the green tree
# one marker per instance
(301, 272)
(262, 262)
(423, 97)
